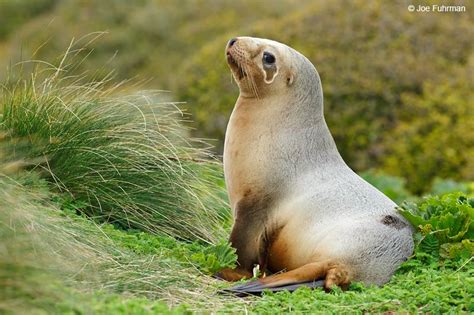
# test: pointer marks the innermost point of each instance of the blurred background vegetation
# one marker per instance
(398, 86)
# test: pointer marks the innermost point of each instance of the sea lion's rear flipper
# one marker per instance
(256, 288)
(309, 275)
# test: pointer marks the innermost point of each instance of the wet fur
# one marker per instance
(297, 205)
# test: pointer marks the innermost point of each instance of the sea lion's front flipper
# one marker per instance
(250, 214)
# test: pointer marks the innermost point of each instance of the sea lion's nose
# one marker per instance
(232, 42)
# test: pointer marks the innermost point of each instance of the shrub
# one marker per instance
(444, 225)
(434, 138)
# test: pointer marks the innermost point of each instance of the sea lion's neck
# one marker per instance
(272, 140)
(303, 134)
(294, 121)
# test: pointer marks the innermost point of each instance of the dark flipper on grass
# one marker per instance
(256, 287)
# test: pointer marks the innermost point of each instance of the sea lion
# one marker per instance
(298, 209)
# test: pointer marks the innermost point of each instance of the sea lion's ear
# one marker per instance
(290, 78)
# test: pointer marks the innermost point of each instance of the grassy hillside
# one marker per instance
(398, 85)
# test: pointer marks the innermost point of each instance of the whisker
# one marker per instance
(256, 89)
(248, 83)
(254, 86)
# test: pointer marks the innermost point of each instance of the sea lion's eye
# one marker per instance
(268, 58)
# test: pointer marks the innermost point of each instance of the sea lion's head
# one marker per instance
(262, 67)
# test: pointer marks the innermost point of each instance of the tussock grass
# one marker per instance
(24, 285)
(51, 261)
(128, 156)
(121, 158)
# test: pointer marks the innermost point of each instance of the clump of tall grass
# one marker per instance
(54, 262)
(24, 285)
(128, 156)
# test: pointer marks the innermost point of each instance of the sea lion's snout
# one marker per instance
(229, 52)
(235, 66)
(233, 56)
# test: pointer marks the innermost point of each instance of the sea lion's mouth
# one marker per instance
(236, 66)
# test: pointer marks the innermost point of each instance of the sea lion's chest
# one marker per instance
(248, 161)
